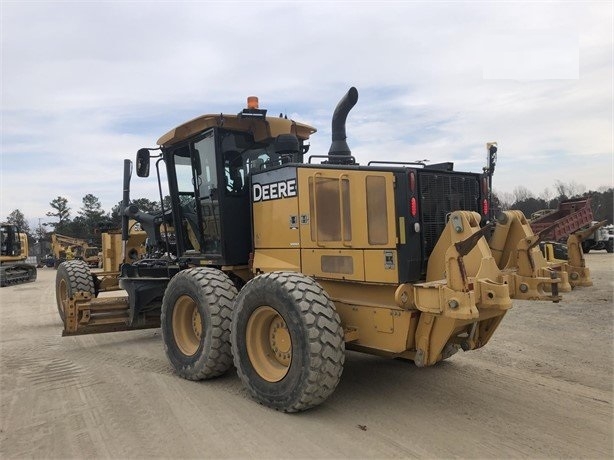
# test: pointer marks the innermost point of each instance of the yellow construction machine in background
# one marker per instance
(67, 248)
(13, 254)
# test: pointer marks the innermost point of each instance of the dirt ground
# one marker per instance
(542, 388)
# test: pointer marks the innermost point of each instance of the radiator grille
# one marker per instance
(440, 194)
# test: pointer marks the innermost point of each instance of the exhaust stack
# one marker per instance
(339, 151)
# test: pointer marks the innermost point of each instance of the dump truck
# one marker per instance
(602, 239)
(13, 254)
(571, 216)
(276, 261)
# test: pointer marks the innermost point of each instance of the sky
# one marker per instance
(84, 85)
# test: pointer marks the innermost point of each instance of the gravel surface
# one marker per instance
(541, 388)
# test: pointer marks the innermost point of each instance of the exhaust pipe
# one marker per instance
(339, 150)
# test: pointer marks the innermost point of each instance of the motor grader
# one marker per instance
(278, 262)
(114, 253)
(67, 247)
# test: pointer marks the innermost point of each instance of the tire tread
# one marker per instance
(216, 285)
(78, 277)
(326, 344)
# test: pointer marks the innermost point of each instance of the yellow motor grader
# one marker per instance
(278, 262)
(67, 247)
(75, 275)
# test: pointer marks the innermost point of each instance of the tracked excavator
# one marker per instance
(13, 254)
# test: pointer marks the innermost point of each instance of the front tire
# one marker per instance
(72, 276)
(287, 341)
(196, 315)
(610, 246)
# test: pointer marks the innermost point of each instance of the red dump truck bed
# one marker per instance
(570, 217)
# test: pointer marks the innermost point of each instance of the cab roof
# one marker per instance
(262, 128)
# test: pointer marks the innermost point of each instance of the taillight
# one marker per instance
(413, 203)
(485, 207)
(484, 185)
(413, 206)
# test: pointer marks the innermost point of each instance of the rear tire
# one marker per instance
(287, 341)
(72, 276)
(196, 315)
(610, 246)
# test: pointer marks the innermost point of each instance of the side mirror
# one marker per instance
(142, 163)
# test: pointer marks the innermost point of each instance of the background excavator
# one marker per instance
(13, 255)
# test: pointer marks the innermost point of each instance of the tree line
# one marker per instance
(88, 223)
(602, 200)
(90, 219)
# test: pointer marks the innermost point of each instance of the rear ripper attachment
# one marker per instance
(579, 274)
(515, 249)
(463, 309)
(531, 275)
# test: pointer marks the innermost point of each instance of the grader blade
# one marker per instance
(85, 314)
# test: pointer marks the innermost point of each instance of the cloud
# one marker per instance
(85, 84)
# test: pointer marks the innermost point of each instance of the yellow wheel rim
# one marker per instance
(63, 294)
(187, 325)
(269, 345)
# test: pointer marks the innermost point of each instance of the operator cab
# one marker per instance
(10, 245)
(209, 189)
(209, 161)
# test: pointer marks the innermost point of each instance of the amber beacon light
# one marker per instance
(252, 102)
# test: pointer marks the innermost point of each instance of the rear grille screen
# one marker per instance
(440, 194)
